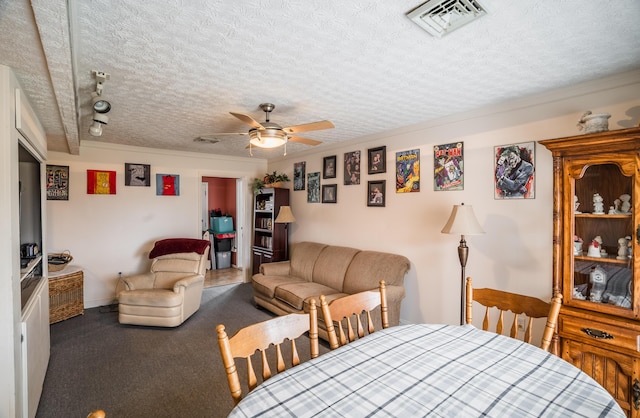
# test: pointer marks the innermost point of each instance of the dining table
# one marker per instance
(434, 370)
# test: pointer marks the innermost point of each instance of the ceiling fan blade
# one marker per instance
(306, 127)
(223, 133)
(306, 141)
(248, 120)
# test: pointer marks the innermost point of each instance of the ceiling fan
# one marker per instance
(271, 135)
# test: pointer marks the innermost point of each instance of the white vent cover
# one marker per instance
(439, 17)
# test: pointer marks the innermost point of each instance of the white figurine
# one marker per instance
(598, 206)
(598, 280)
(626, 203)
(612, 210)
(622, 249)
(594, 247)
(576, 204)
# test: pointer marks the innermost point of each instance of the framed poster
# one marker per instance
(57, 182)
(137, 174)
(352, 168)
(376, 193)
(408, 171)
(329, 193)
(167, 185)
(329, 167)
(299, 171)
(514, 171)
(313, 181)
(101, 182)
(377, 160)
(448, 167)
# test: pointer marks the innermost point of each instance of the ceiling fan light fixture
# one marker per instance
(267, 138)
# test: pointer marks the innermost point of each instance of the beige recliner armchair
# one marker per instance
(172, 291)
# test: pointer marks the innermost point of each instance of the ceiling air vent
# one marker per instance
(439, 17)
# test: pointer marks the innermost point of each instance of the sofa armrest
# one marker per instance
(395, 294)
(277, 268)
(188, 282)
(138, 281)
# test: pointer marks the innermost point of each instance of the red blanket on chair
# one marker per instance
(179, 245)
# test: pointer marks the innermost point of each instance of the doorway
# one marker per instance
(222, 197)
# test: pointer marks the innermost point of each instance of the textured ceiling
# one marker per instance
(177, 68)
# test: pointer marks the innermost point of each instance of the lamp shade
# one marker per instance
(462, 221)
(285, 216)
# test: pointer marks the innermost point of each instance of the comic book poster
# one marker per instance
(408, 171)
(448, 167)
(514, 171)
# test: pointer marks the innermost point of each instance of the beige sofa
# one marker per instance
(316, 269)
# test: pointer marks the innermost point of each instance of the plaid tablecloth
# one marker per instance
(431, 370)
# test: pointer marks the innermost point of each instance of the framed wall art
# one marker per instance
(313, 192)
(329, 167)
(57, 182)
(377, 160)
(376, 193)
(299, 171)
(448, 167)
(167, 185)
(352, 168)
(329, 193)
(408, 171)
(514, 171)
(101, 182)
(137, 174)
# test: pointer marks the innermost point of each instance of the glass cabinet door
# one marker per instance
(603, 239)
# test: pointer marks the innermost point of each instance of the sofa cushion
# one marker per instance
(332, 264)
(303, 257)
(295, 294)
(369, 267)
(150, 297)
(266, 285)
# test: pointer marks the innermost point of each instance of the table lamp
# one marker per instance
(285, 216)
(462, 221)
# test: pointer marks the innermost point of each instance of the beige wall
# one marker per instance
(108, 234)
(515, 254)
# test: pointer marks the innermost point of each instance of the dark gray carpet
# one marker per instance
(133, 371)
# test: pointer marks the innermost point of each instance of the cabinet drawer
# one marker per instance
(605, 334)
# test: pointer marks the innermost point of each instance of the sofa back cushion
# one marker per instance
(369, 267)
(332, 265)
(303, 256)
(168, 269)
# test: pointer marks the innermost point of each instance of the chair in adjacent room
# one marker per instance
(172, 291)
(519, 305)
(348, 313)
(260, 336)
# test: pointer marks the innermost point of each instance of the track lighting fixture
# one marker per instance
(99, 104)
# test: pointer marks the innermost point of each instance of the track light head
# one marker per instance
(95, 129)
(100, 118)
(100, 104)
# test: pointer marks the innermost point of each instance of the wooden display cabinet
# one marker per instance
(269, 240)
(599, 323)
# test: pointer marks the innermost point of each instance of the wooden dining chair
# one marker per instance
(527, 306)
(98, 413)
(260, 336)
(340, 314)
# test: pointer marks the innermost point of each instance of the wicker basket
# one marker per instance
(58, 261)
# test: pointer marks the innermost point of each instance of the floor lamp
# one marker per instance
(462, 221)
(285, 216)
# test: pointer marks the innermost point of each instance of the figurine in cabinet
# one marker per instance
(625, 207)
(598, 280)
(594, 247)
(623, 246)
(576, 204)
(598, 205)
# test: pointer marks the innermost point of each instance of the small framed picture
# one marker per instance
(352, 168)
(329, 193)
(167, 185)
(137, 174)
(376, 193)
(514, 171)
(329, 167)
(377, 160)
(313, 191)
(57, 182)
(299, 172)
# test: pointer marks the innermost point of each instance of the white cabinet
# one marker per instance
(24, 315)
